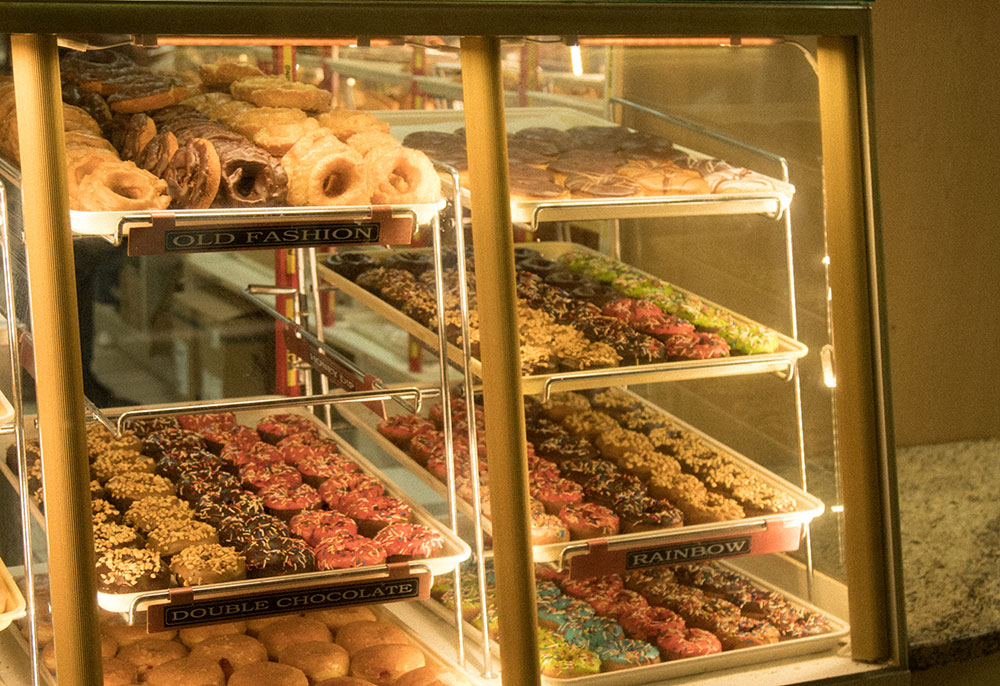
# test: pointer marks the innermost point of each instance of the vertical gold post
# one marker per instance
(59, 379)
(492, 236)
(857, 410)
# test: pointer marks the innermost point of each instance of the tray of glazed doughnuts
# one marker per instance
(585, 320)
(611, 466)
(140, 142)
(363, 646)
(641, 627)
(211, 500)
(568, 165)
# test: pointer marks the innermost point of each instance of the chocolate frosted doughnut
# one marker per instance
(601, 185)
(250, 177)
(193, 175)
(585, 162)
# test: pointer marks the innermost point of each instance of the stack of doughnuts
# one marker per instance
(333, 158)
(98, 179)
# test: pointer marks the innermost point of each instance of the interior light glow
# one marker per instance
(690, 40)
(576, 60)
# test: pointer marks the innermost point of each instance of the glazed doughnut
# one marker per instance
(225, 70)
(81, 139)
(193, 175)
(403, 176)
(148, 653)
(324, 171)
(278, 635)
(187, 671)
(372, 141)
(625, 653)
(226, 112)
(231, 651)
(82, 161)
(432, 676)
(78, 119)
(357, 636)
(120, 186)
(318, 660)
(271, 673)
(345, 123)
(277, 91)
(675, 645)
(279, 138)
(384, 664)
(249, 122)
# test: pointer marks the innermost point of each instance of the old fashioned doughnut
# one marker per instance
(80, 162)
(120, 186)
(139, 131)
(323, 171)
(225, 70)
(78, 119)
(81, 139)
(345, 123)
(249, 122)
(193, 175)
(278, 138)
(250, 176)
(157, 153)
(277, 91)
(372, 141)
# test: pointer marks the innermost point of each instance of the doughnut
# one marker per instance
(193, 635)
(224, 71)
(336, 617)
(323, 171)
(347, 551)
(748, 632)
(231, 651)
(409, 542)
(118, 672)
(193, 175)
(652, 514)
(695, 346)
(278, 635)
(285, 501)
(339, 490)
(187, 671)
(251, 121)
(372, 142)
(357, 636)
(277, 91)
(318, 660)
(208, 564)
(374, 513)
(675, 645)
(648, 622)
(344, 123)
(119, 186)
(556, 494)
(565, 661)
(618, 603)
(174, 536)
(316, 525)
(148, 513)
(588, 520)
(432, 676)
(144, 93)
(278, 138)
(250, 176)
(625, 653)
(271, 673)
(108, 536)
(402, 176)
(384, 664)
(401, 428)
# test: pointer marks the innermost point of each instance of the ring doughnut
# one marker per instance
(139, 132)
(372, 142)
(78, 139)
(345, 123)
(121, 186)
(403, 176)
(157, 154)
(193, 175)
(675, 645)
(81, 161)
(278, 138)
(696, 345)
(226, 70)
(78, 119)
(249, 122)
(277, 91)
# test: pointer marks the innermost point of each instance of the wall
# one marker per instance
(937, 66)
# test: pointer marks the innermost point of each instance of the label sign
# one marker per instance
(164, 237)
(324, 364)
(600, 561)
(232, 608)
(686, 552)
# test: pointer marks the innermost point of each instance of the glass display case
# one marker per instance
(629, 254)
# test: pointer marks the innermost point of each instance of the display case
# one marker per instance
(632, 264)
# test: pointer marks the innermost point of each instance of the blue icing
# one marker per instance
(602, 631)
(547, 590)
(574, 634)
(627, 651)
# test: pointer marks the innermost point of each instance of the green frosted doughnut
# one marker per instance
(563, 661)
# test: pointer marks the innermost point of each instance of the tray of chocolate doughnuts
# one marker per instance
(612, 467)
(586, 320)
(659, 624)
(569, 165)
(213, 501)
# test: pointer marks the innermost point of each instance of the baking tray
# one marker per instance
(771, 203)
(782, 361)
(767, 533)
(454, 552)
(692, 665)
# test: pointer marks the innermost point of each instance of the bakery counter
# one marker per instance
(950, 528)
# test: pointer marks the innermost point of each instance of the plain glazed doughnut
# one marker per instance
(318, 660)
(345, 681)
(357, 636)
(249, 122)
(287, 630)
(117, 672)
(193, 635)
(403, 176)
(432, 675)
(336, 617)
(346, 123)
(270, 673)
(384, 664)
(226, 70)
(231, 651)
(187, 671)
(373, 141)
(148, 653)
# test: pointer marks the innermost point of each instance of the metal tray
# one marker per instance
(781, 361)
(454, 552)
(772, 203)
(662, 671)
(766, 533)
